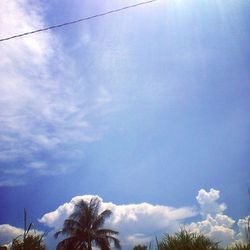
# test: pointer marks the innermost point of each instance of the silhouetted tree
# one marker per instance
(140, 247)
(85, 227)
(28, 241)
(185, 240)
(33, 242)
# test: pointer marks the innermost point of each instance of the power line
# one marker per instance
(77, 21)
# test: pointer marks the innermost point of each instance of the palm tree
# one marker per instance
(85, 227)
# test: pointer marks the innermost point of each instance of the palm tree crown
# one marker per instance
(85, 227)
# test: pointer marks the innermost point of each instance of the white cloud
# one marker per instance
(140, 223)
(136, 239)
(215, 224)
(46, 107)
(218, 228)
(135, 222)
(8, 233)
(243, 224)
(208, 202)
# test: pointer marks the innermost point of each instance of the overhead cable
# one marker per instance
(77, 21)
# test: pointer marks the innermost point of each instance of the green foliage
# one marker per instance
(28, 241)
(239, 246)
(85, 227)
(140, 247)
(33, 242)
(185, 240)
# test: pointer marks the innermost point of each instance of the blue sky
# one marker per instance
(146, 105)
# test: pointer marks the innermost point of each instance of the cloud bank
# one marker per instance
(140, 223)
(135, 222)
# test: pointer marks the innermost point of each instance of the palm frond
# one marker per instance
(94, 206)
(73, 228)
(84, 226)
(80, 207)
(56, 234)
(71, 223)
(68, 244)
(100, 219)
(115, 241)
(103, 243)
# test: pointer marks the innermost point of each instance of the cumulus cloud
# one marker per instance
(208, 202)
(135, 222)
(8, 233)
(218, 228)
(215, 223)
(46, 107)
(243, 225)
(140, 223)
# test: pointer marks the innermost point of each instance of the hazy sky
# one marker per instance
(146, 106)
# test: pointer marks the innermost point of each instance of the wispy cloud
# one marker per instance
(45, 106)
(11, 182)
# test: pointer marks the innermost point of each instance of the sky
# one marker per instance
(147, 109)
